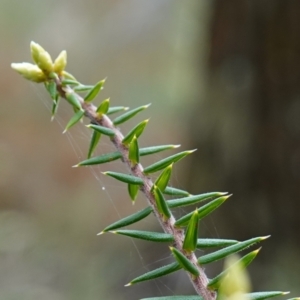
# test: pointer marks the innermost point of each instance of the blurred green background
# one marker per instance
(222, 76)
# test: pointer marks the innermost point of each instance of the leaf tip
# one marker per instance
(76, 166)
(128, 284)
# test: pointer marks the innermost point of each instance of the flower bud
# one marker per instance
(60, 62)
(29, 71)
(41, 57)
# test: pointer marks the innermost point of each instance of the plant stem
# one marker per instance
(200, 282)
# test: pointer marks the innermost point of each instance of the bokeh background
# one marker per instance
(222, 77)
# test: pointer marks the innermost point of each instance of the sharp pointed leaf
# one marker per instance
(203, 211)
(129, 220)
(156, 149)
(91, 95)
(116, 109)
(51, 88)
(163, 179)
(128, 115)
(185, 262)
(147, 235)
(175, 192)
(193, 199)
(54, 107)
(217, 255)
(76, 118)
(73, 100)
(133, 190)
(125, 178)
(65, 82)
(243, 263)
(191, 235)
(94, 142)
(136, 131)
(161, 203)
(103, 107)
(82, 88)
(162, 271)
(101, 159)
(102, 129)
(166, 162)
(210, 243)
(134, 154)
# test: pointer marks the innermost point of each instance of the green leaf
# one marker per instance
(191, 235)
(264, 295)
(175, 192)
(102, 129)
(69, 82)
(162, 271)
(147, 235)
(91, 95)
(76, 118)
(156, 149)
(116, 109)
(128, 115)
(101, 159)
(161, 203)
(166, 162)
(210, 243)
(125, 178)
(128, 220)
(203, 211)
(175, 298)
(217, 255)
(103, 107)
(73, 100)
(134, 154)
(136, 131)
(185, 262)
(51, 88)
(243, 262)
(163, 179)
(133, 190)
(94, 142)
(193, 199)
(68, 75)
(54, 108)
(82, 88)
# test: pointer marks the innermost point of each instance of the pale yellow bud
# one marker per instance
(60, 62)
(41, 57)
(29, 71)
(237, 282)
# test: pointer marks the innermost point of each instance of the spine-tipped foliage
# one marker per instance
(61, 84)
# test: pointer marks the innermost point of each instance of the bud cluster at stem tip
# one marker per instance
(43, 68)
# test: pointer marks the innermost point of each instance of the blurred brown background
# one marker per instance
(222, 76)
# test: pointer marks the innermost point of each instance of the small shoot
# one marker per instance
(116, 109)
(73, 100)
